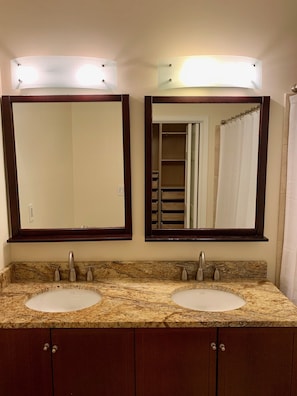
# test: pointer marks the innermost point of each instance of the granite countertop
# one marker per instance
(147, 303)
(133, 302)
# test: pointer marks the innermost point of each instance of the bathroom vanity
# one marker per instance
(64, 362)
(183, 361)
(215, 361)
(137, 341)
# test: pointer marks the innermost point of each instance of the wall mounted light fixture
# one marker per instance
(63, 72)
(210, 71)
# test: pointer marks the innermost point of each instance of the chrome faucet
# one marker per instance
(72, 273)
(199, 275)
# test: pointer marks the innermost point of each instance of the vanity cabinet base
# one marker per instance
(25, 363)
(256, 361)
(149, 362)
(221, 362)
(175, 362)
(60, 362)
(93, 362)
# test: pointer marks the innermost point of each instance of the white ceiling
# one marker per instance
(123, 29)
(137, 34)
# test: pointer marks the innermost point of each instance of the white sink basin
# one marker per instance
(63, 300)
(211, 300)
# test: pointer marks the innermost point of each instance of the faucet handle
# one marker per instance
(57, 276)
(184, 274)
(90, 276)
(216, 275)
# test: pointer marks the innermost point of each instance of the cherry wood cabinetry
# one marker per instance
(149, 362)
(294, 369)
(25, 362)
(222, 362)
(175, 362)
(93, 362)
(60, 362)
(256, 361)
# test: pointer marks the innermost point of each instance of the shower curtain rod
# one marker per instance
(223, 122)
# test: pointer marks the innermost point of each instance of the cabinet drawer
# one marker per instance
(168, 216)
(154, 195)
(154, 217)
(170, 226)
(173, 195)
(154, 206)
(173, 206)
(155, 184)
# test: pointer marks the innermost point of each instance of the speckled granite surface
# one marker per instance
(133, 296)
(229, 270)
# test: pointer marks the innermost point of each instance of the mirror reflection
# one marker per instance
(204, 166)
(72, 166)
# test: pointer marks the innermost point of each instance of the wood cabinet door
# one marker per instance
(175, 362)
(294, 369)
(25, 362)
(93, 362)
(255, 361)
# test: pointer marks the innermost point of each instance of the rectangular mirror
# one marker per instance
(68, 167)
(206, 167)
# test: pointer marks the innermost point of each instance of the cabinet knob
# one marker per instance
(213, 346)
(54, 348)
(46, 346)
(222, 347)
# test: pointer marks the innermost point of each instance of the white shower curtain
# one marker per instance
(237, 179)
(288, 279)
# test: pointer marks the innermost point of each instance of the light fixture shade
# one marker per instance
(63, 72)
(210, 71)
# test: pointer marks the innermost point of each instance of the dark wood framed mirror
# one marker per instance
(68, 172)
(205, 168)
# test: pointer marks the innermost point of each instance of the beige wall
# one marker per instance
(44, 163)
(137, 36)
(98, 152)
